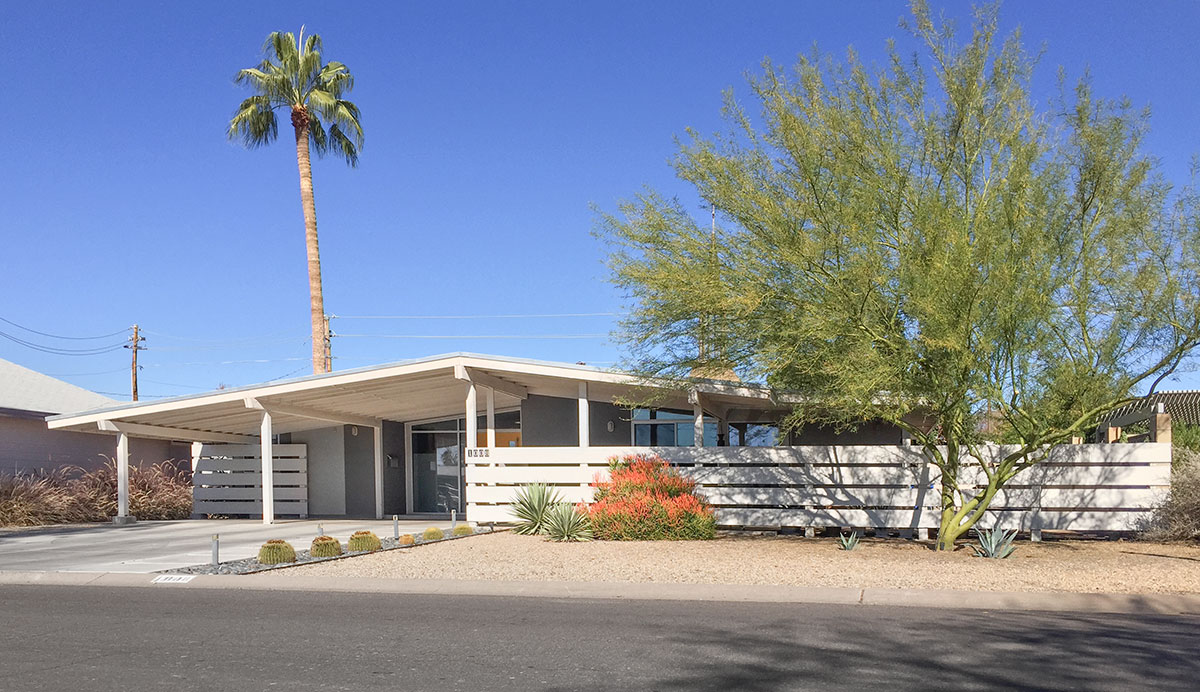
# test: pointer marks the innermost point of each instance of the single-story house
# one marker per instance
(28, 446)
(392, 439)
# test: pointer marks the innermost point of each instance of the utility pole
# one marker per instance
(328, 346)
(134, 346)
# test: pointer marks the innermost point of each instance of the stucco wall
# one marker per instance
(360, 471)
(326, 470)
(549, 421)
(394, 488)
(600, 413)
(28, 446)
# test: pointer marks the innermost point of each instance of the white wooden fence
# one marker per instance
(227, 480)
(1093, 487)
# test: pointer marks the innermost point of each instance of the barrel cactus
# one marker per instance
(363, 541)
(463, 530)
(433, 534)
(276, 552)
(406, 539)
(326, 546)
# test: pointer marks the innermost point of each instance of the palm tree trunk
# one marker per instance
(316, 297)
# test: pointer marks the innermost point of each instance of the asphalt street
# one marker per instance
(173, 637)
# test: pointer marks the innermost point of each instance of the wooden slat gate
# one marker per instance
(228, 480)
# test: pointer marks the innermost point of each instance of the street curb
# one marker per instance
(1156, 604)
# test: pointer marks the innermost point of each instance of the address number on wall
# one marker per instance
(476, 453)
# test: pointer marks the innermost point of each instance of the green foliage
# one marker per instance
(293, 77)
(919, 244)
(406, 539)
(567, 523)
(325, 546)
(363, 541)
(433, 534)
(848, 542)
(275, 552)
(531, 506)
(463, 530)
(994, 543)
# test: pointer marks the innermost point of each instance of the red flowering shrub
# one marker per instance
(647, 500)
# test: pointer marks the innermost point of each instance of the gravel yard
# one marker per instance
(1058, 565)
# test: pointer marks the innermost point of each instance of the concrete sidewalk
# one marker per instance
(1159, 604)
(152, 546)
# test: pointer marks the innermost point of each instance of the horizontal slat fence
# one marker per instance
(1093, 487)
(228, 480)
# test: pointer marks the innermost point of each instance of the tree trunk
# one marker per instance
(316, 297)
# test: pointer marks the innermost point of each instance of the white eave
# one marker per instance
(407, 390)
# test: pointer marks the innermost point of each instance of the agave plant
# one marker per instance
(565, 523)
(848, 542)
(532, 505)
(995, 543)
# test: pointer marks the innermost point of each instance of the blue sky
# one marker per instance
(491, 128)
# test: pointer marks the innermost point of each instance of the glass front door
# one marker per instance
(439, 482)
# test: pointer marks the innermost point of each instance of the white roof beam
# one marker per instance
(159, 432)
(308, 412)
(462, 372)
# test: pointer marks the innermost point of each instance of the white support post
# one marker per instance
(122, 479)
(472, 413)
(268, 469)
(378, 470)
(697, 424)
(491, 418)
(584, 417)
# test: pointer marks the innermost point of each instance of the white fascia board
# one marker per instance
(308, 412)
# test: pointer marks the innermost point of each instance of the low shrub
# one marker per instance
(569, 523)
(531, 506)
(72, 495)
(994, 543)
(433, 534)
(848, 542)
(276, 552)
(463, 530)
(1177, 518)
(406, 539)
(361, 541)
(326, 546)
(646, 499)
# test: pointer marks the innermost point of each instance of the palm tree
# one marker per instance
(292, 77)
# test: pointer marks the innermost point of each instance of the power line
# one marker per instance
(475, 336)
(476, 317)
(59, 336)
(58, 351)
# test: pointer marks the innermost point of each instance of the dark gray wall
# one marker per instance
(28, 446)
(871, 433)
(360, 472)
(549, 421)
(393, 478)
(599, 414)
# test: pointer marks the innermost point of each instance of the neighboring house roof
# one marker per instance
(1183, 405)
(22, 389)
(403, 391)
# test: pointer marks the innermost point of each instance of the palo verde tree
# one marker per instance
(918, 243)
(293, 77)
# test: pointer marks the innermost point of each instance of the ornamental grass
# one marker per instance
(645, 499)
(74, 496)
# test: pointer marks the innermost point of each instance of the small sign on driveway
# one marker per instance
(173, 579)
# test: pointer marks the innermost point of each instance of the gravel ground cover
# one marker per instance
(1102, 566)
(251, 565)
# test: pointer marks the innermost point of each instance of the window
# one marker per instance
(664, 428)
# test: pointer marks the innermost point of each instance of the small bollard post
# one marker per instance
(453, 519)
(396, 526)
(320, 530)
(216, 548)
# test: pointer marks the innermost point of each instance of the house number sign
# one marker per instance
(474, 453)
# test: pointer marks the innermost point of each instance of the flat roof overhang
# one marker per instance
(408, 390)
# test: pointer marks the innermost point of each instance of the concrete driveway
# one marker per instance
(152, 546)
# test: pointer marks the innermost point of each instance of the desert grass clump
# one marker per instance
(433, 534)
(73, 496)
(276, 552)
(462, 530)
(406, 539)
(1177, 517)
(363, 541)
(325, 546)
